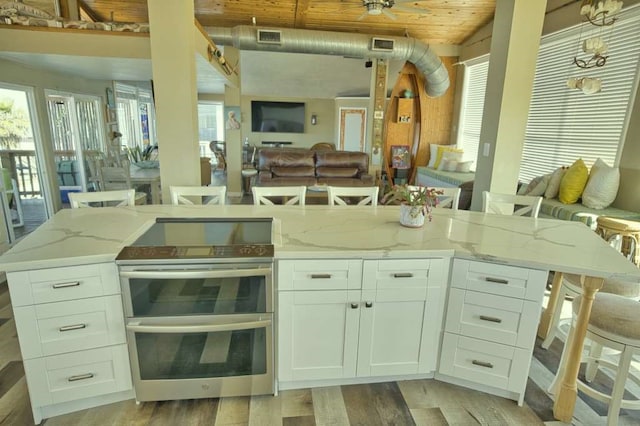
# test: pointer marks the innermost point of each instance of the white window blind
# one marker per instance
(565, 124)
(475, 85)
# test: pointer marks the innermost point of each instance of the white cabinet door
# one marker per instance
(318, 334)
(398, 333)
(391, 332)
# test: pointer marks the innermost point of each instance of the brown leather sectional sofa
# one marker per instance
(284, 167)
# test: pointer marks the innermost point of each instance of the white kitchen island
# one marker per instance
(354, 268)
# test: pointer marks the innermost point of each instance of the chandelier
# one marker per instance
(599, 15)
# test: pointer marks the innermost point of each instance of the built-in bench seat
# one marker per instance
(552, 208)
(427, 176)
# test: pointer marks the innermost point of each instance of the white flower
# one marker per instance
(572, 83)
(595, 46)
(591, 85)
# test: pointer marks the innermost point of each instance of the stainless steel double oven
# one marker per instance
(198, 301)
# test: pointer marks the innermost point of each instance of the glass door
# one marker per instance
(78, 138)
(27, 198)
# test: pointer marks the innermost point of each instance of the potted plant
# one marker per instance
(415, 202)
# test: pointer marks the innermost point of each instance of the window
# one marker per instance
(136, 115)
(475, 85)
(210, 126)
(564, 124)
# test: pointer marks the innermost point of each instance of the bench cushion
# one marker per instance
(552, 208)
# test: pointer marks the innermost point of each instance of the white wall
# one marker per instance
(321, 132)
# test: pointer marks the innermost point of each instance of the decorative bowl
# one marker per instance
(148, 164)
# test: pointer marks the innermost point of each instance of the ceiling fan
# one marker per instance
(378, 7)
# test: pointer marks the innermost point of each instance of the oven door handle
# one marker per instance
(199, 328)
(199, 273)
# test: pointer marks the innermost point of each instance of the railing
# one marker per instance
(23, 168)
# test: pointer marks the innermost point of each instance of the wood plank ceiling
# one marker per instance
(447, 22)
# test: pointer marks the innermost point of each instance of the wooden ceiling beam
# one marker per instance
(87, 12)
(69, 9)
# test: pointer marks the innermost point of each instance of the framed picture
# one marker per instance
(400, 157)
(232, 117)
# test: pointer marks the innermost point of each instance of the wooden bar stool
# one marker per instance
(614, 323)
(628, 231)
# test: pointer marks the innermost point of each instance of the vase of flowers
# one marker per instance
(416, 203)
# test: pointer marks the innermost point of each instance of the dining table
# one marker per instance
(147, 176)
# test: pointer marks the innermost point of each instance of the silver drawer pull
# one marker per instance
(65, 285)
(354, 306)
(496, 280)
(80, 377)
(482, 363)
(403, 275)
(72, 327)
(490, 319)
(321, 276)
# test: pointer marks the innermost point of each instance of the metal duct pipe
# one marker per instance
(288, 40)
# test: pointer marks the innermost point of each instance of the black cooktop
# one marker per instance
(202, 238)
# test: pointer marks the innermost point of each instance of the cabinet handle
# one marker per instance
(323, 276)
(80, 377)
(368, 304)
(403, 275)
(354, 306)
(490, 319)
(482, 363)
(72, 327)
(65, 285)
(496, 280)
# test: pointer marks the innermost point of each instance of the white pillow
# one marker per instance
(540, 188)
(464, 166)
(602, 186)
(450, 165)
(554, 183)
(433, 153)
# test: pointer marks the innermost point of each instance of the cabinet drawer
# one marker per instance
(55, 328)
(78, 375)
(319, 274)
(510, 281)
(396, 274)
(490, 317)
(492, 364)
(58, 284)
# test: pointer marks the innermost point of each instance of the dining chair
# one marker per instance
(208, 195)
(508, 204)
(114, 178)
(447, 197)
(291, 195)
(123, 197)
(337, 195)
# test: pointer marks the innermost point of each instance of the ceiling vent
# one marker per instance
(382, 44)
(269, 36)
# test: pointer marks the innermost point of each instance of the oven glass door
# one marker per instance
(176, 292)
(201, 347)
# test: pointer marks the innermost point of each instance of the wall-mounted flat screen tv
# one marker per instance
(278, 117)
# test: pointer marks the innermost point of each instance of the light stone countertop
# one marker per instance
(91, 235)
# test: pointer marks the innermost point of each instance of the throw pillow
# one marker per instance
(449, 165)
(602, 186)
(554, 183)
(441, 150)
(573, 182)
(433, 153)
(540, 186)
(464, 166)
